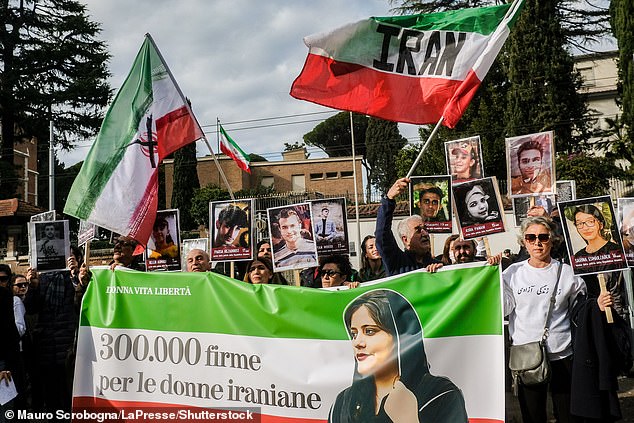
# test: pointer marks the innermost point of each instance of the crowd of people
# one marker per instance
(40, 311)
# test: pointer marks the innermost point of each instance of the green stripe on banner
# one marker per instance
(464, 302)
(483, 20)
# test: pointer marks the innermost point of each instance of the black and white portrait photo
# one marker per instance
(478, 207)
(50, 245)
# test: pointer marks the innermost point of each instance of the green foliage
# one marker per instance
(52, 67)
(543, 86)
(621, 12)
(256, 158)
(185, 183)
(333, 135)
(590, 173)
(200, 202)
(294, 146)
(383, 142)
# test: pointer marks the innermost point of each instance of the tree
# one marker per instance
(333, 135)
(621, 12)
(200, 202)
(543, 85)
(383, 142)
(589, 173)
(293, 146)
(185, 183)
(53, 68)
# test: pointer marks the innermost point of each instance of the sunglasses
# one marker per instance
(4, 278)
(541, 237)
(21, 285)
(330, 273)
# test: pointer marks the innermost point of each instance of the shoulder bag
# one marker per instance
(529, 362)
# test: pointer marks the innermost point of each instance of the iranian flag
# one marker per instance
(233, 150)
(149, 119)
(414, 69)
(202, 342)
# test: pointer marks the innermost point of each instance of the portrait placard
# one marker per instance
(291, 233)
(464, 159)
(87, 232)
(231, 230)
(478, 208)
(566, 190)
(625, 207)
(163, 248)
(530, 163)
(330, 225)
(521, 205)
(430, 198)
(592, 237)
(49, 245)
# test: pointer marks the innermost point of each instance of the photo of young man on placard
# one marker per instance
(163, 248)
(330, 225)
(478, 208)
(530, 161)
(50, 245)
(464, 161)
(592, 237)
(625, 207)
(291, 232)
(231, 230)
(430, 198)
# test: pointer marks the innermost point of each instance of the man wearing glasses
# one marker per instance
(417, 253)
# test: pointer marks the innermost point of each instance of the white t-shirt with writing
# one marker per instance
(527, 292)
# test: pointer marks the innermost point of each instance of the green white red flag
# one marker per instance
(149, 119)
(196, 342)
(414, 69)
(233, 150)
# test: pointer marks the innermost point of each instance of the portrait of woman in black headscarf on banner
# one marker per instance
(391, 381)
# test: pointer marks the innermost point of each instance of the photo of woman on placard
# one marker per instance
(626, 217)
(474, 205)
(593, 243)
(391, 381)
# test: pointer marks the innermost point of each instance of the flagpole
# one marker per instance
(422, 150)
(356, 194)
(178, 89)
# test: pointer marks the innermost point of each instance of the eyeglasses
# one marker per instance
(330, 273)
(541, 237)
(588, 223)
(21, 285)
(427, 201)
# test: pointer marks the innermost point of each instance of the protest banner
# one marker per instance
(195, 342)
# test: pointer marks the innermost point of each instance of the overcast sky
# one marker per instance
(235, 60)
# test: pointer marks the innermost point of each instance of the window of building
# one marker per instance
(314, 176)
(298, 183)
(587, 73)
(267, 181)
(347, 174)
(331, 175)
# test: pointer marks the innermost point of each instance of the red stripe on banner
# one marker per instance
(228, 152)
(461, 99)
(99, 405)
(356, 88)
(175, 130)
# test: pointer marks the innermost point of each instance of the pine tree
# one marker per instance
(622, 21)
(543, 86)
(383, 143)
(51, 68)
(186, 183)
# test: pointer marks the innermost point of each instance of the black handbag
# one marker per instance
(529, 363)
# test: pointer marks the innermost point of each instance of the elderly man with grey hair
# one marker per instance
(412, 232)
